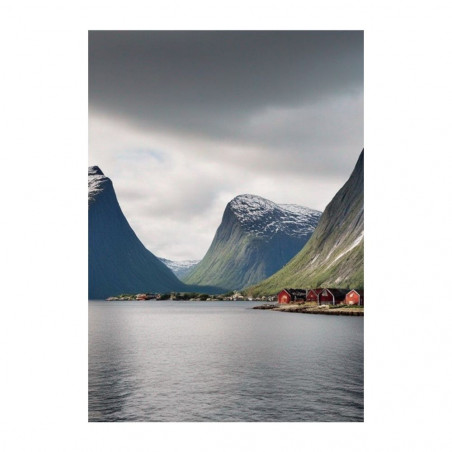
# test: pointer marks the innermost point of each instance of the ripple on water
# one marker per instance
(175, 361)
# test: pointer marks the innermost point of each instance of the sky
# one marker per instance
(184, 121)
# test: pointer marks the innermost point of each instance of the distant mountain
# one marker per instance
(334, 255)
(179, 268)
(254, 240)
(118, 261)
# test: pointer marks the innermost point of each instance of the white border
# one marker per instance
(407, 196)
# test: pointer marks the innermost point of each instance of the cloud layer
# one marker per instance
(184, 121)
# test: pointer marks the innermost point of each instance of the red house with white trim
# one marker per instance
(313, 295)
(332, 296)
(355, 297)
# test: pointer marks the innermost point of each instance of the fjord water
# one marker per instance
(222, 361)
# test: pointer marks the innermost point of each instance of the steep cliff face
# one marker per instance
(334, 255)
(118, 261)
(255, 239)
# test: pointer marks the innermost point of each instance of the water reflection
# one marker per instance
(174, 361)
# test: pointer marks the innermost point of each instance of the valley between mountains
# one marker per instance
(259, 248)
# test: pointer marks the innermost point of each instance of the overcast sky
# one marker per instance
(182, 122)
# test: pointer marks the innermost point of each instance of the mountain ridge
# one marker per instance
(256, 237)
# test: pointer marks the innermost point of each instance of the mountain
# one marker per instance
(179, 268)
(256, 238)
(117, 261)
(334, 255)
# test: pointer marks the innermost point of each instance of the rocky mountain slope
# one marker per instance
(334, 255)
(255, 239)
(179, 268)
(118, 261)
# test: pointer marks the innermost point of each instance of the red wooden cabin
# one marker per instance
(284, 297)
(355, 297)
(332, 296)
(313, 295)
(291, 295)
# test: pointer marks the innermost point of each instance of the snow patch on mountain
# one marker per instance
(355, 243)
(263, 217)
(179, 268)
(96, 182)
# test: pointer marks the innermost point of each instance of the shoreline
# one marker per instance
(324, 309)
(291, 307)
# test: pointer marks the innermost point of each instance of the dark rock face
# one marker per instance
(95, 171)
(254, 240)
(334, 255)
(117, 261)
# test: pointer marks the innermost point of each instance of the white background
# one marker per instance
(43, 315)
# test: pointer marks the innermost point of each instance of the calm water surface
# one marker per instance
(222, 361)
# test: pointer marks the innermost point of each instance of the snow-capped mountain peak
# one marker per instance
(96, 182)
(263, 217)
(255, 239)
(94, 171)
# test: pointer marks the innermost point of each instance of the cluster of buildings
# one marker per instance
(322, 296)
(237, 296)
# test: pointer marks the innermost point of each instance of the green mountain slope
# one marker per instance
(254, 240)
(334, 255)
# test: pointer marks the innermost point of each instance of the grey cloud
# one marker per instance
(221, 70)
(213, 83)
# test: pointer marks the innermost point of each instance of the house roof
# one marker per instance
(317, 291)
(297, 292)
(337, 292)
(359, 291)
